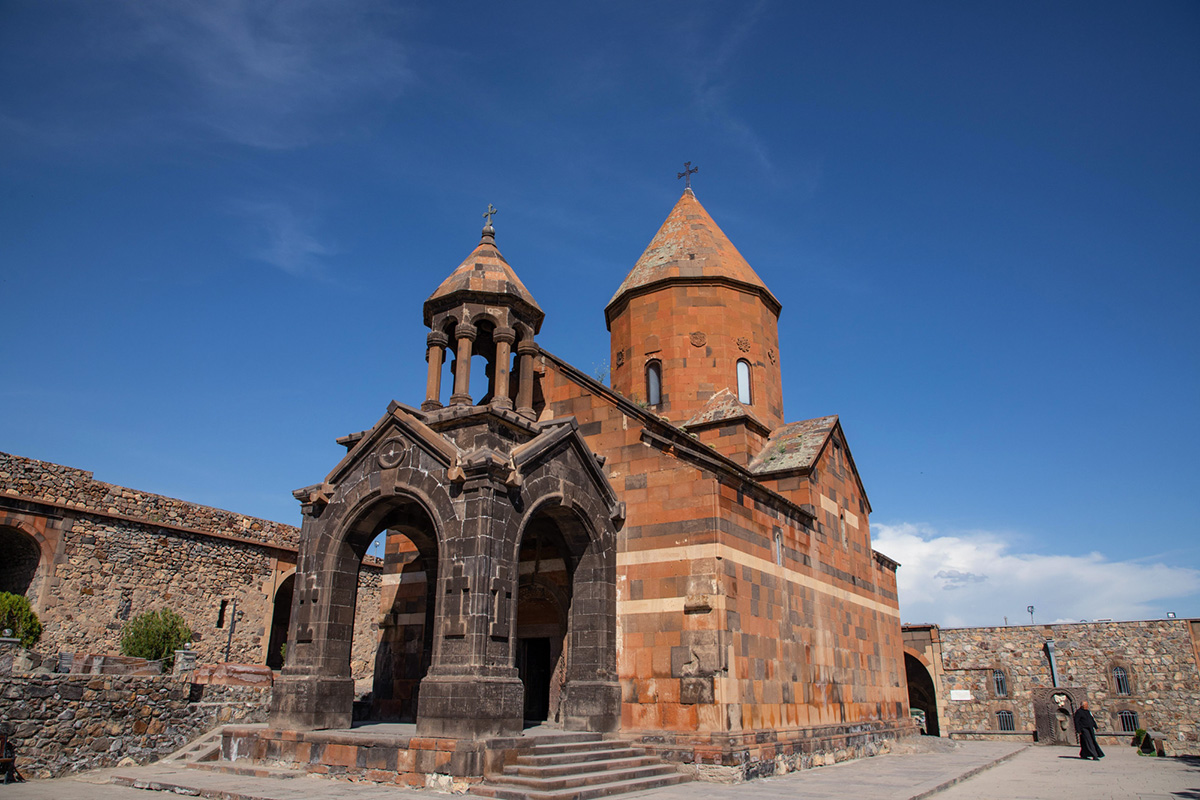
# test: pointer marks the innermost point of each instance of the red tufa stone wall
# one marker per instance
(722, 631)
(731, 324)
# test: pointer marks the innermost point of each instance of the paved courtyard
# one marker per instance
(969, 771)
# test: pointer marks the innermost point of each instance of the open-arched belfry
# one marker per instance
(477, 491)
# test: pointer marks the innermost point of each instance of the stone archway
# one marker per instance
(281, 621)
(465, 486)
(921, 692)
(19, 566)
(406, 625)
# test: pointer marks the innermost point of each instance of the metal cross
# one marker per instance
(688, 171)
(488, 214)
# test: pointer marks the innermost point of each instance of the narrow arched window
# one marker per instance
(1121, 679)
(1129, 721)
(743, 381)
(654, 383)
(1004, 720)
(1001, 683)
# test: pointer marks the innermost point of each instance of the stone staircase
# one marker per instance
(579, 770)
(206, 748)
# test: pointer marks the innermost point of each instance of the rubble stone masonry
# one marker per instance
(107, 553)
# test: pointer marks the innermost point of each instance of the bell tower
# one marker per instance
(482, 308)
(692, 319)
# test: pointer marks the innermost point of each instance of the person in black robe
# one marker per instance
(1085, 726)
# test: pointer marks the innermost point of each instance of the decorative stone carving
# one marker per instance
(620, 358)
(698, 338)
(771, 355)
(392, 452)
(743, 344)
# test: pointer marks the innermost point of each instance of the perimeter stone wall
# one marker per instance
(61, 724)
(108, 553)
(1158, 656)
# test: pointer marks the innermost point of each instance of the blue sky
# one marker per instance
(218, 222)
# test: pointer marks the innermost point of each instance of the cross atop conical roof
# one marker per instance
(690, 246)
(485, 276)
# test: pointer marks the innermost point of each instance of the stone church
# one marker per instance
(666, 558)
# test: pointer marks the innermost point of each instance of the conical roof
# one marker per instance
(485, 276)
(690, 246)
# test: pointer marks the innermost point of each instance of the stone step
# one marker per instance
(579, 793)
(205, 748)
(576, 780)
(615, 750)
(575, 766)
(247, 769)
(575, 744)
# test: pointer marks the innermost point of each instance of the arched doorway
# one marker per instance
(406, 625)
(20, 556)
(563, 637)
(545, 571)
(921, 692)
(405, 616)
(281, 620)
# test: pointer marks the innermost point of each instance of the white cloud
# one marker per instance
(974, 578)
(272, 74)
(285, 238)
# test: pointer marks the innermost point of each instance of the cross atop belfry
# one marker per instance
(687, 173)
(487, 215)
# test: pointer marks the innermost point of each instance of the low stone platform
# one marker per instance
(382, 752)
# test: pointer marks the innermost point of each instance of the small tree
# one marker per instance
(155, 635)
(17, 616)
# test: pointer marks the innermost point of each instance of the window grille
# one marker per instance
(1129, 720)
(1121, 679)
(1001, 683)
(1005, 720)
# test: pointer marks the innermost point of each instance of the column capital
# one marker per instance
(504, 335)
(465, 330)
(528, 347)
(437, 339)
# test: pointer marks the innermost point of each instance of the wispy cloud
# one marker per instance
(273, 74)
(710, 68)
(975, 578)
(284, 238)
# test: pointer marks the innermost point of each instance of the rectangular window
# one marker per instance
(221, 614)
(1129, 721)
(1005, 720)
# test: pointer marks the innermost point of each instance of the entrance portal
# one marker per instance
(921, 693)
(543, 608)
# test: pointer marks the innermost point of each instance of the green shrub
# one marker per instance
(155, 635)
(16, 615)
(1138, 735)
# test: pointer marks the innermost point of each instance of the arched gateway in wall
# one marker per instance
(514, 525)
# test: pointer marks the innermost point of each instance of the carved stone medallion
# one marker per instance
(698, 339)
(771, 355)
(392, 452)
(620, 358)
(743, 344)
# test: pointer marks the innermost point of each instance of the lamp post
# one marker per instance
(1030, 610)
(233, 621)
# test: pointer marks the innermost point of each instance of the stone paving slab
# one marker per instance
(1058, 772)
(974, 771)
(887, 777)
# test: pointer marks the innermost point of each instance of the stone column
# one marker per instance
(472, 689)
(504, 338)
(526, 350)
(436, 341)
(465, 334)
